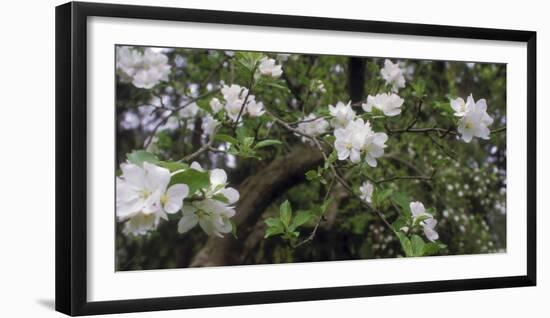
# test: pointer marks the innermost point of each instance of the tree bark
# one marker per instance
(257, 193)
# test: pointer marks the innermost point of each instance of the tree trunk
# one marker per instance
(257, 193)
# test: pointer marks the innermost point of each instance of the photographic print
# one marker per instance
(227, 157)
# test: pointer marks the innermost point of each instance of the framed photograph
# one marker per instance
(209, 158)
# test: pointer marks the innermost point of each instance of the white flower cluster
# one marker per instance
(234, 97)
(428, 225)
(318, 86)
(143, 70)
(341, 114)
(358, 139)
(214, 211)
(268, 67)
(389, 104)
(143, 198)
(393, 75)
(474, 118)
(312, 125)
(366, 190)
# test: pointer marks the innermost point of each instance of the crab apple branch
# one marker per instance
(174, 111)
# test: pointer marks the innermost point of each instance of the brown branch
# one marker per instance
(207, 146)
(250, 87)
(417, 116)
(442, 131)
(284, 172)
(422, 178)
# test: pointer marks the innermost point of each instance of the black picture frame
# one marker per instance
(71, 157)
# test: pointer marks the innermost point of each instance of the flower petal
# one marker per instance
(175, 196)
(218, 176)
(417, 208)
(187, 222)
(231, 194)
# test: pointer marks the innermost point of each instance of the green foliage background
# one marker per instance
(467, 192)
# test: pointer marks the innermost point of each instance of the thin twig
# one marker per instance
(442, 148)
(319, 220)
(250, 87)
(201, 150)
(172, 112)
(417, 116)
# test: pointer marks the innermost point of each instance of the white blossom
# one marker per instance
(268, 67)
(389, 104)
(460, 107)
(319, 86)
(189, 111)
(312, 125)
(254, 109)
(349, 140)
(234, 108)
(143, 70)
(237, 103)
(393, 75)
(428, 225)
(374, 147)
(366, 190)
(212, 213)
(215, 105)
(144, 191)
(235, 97)
(141, 224)
(233, 92)
(138, 189)
(358, 138)
(209, 125)
(474, 121)
(342, 114)
(218, 183)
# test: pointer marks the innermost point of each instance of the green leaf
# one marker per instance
(272, 231)
(194, 179)
(330, 139)
(278, 86)
(273, 222)
(432, 248)
(399, 224)
(138, 157)
(233, 229)
(226, 138)
(380, 196)
(312, 175)
(419, 87)
(333, 156)
(172, 165)
(204, 105)
(285, 213)
(300, 218)
(266, 143)
(417, 245)
(402, 199)
(405, 244)
(220, 197)
(247, 142)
